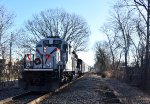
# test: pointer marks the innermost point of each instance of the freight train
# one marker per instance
(53, 63)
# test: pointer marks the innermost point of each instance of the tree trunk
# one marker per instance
(146, 72)
(126, 65)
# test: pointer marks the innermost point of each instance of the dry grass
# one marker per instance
(118, 74)
(107, 74)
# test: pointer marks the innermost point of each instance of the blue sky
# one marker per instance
(95, 13)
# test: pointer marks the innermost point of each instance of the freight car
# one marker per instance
(53, 64)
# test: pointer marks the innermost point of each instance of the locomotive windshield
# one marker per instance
(45, 43)
(56, 43)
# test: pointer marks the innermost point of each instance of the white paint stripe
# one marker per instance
(38, 69)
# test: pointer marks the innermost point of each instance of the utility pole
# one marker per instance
(10, 63)
(10, 47)
(3, 52)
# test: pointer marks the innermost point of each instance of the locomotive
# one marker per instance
(53, 64)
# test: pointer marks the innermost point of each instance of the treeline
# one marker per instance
(52, 22)
(127, 32)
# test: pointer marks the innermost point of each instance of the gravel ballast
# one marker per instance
(128, 94)
(92, 89)
(88, 90)
(9, 92)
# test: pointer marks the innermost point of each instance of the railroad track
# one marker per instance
(23, 98)
(35, 97)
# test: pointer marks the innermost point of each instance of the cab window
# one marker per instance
(57, 41)
(65, 47)
(39, 45)
(46, 43)
(69, 49)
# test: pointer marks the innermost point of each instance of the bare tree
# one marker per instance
(143, 8)
(6, 21)
(122, 27)
(102, 56)
(57, 22)
(146, 5)
(139, 26)
(120, 30)
(139, 44)
(114, 45)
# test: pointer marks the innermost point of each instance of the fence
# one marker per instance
(9, 75)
